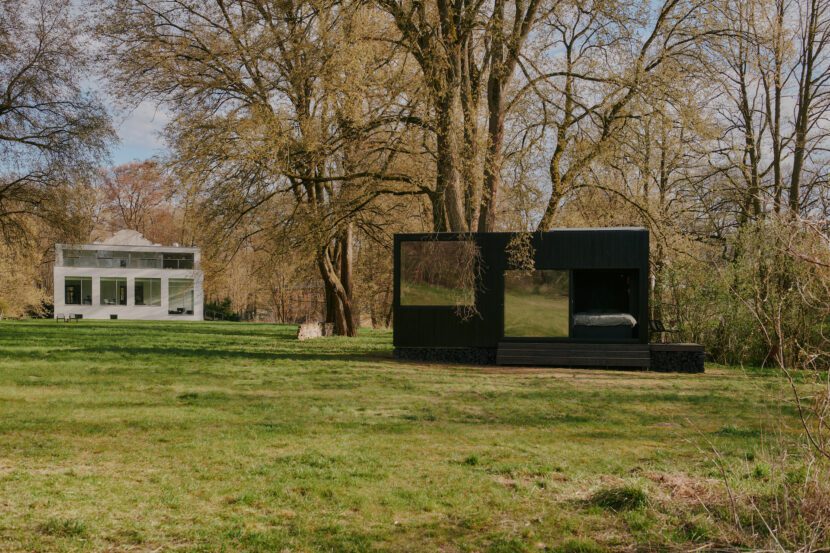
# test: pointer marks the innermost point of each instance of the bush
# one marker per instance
(221, 310)
(620, 498)
(759, 299)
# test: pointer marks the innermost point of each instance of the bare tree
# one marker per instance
(610, 57)
(52, 131)
(813, 97)
(139, 196)
(280, 117)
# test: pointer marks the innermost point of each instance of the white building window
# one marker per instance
(148, 291)
(113, 291)
(180, 294)
(77, 290)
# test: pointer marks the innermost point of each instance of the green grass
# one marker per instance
(123, 436)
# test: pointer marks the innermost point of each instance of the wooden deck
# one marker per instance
(573, 355)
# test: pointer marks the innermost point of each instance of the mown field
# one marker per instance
(118, 436)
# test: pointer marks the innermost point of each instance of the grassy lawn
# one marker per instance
(123, 436)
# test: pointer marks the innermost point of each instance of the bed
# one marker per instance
(603, 325)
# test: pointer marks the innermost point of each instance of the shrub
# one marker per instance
(221, 310)
(620, 498)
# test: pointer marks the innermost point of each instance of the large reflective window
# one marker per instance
(148, 291)
(438, 272)
(113, 291)
(79, 258)
(145, 260)
(109, 259)
(77, 290)
(113, 260)
(180, 295)
(178, 260)
(536, 304)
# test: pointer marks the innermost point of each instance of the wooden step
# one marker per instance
(573, 355)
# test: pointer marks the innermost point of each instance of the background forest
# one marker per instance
(304, 133)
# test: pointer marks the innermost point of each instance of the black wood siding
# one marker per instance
(423, 326)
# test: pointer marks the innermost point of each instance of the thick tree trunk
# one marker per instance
(448, 175)
(798, 164)
(472, 174)
(339, 305)
(495, 155)
(504, 56)
(346, 274)
(753, 199)
(558, 183)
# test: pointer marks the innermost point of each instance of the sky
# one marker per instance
(139, 133)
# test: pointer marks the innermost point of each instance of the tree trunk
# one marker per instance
(805, 100)
(346, 273)
(470, 101)
(495, 156)
(504, 56)
(339, 308)
(448, 174)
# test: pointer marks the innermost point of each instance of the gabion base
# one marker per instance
(471, 356)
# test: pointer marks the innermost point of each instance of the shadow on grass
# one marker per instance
(240, 354)
(203, 353)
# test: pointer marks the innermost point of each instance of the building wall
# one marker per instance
(566, 249)
(129, 311)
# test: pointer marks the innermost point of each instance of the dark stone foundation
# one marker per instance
(678, 358)
(471, 356)
(681, 358)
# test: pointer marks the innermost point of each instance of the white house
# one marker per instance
(128, 277)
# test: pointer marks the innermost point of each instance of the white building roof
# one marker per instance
(131, 241)
(127, 238)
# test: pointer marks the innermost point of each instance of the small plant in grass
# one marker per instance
(63, 528)
(693, 531)
(620, 498)
(579, 546)
(761, 471)
(472, 461)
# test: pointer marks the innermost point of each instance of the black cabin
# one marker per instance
(474, 298)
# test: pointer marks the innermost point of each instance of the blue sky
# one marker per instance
(139, 131)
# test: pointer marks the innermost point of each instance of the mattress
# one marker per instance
(604, 319)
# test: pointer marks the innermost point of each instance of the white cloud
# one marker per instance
(140, 133)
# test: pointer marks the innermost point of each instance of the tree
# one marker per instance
(139, 196)
(505, 51)
(459, 47)
(52, 131)
(283, 118)
(611, 56)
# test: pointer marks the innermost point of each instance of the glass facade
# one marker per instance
(180, 296)
(77, 290)
(437, 273)
(113, 259)
(148, 291)
(536, 304)
(113, 291)
(178, 261)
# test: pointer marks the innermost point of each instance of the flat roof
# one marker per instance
(119, 247)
